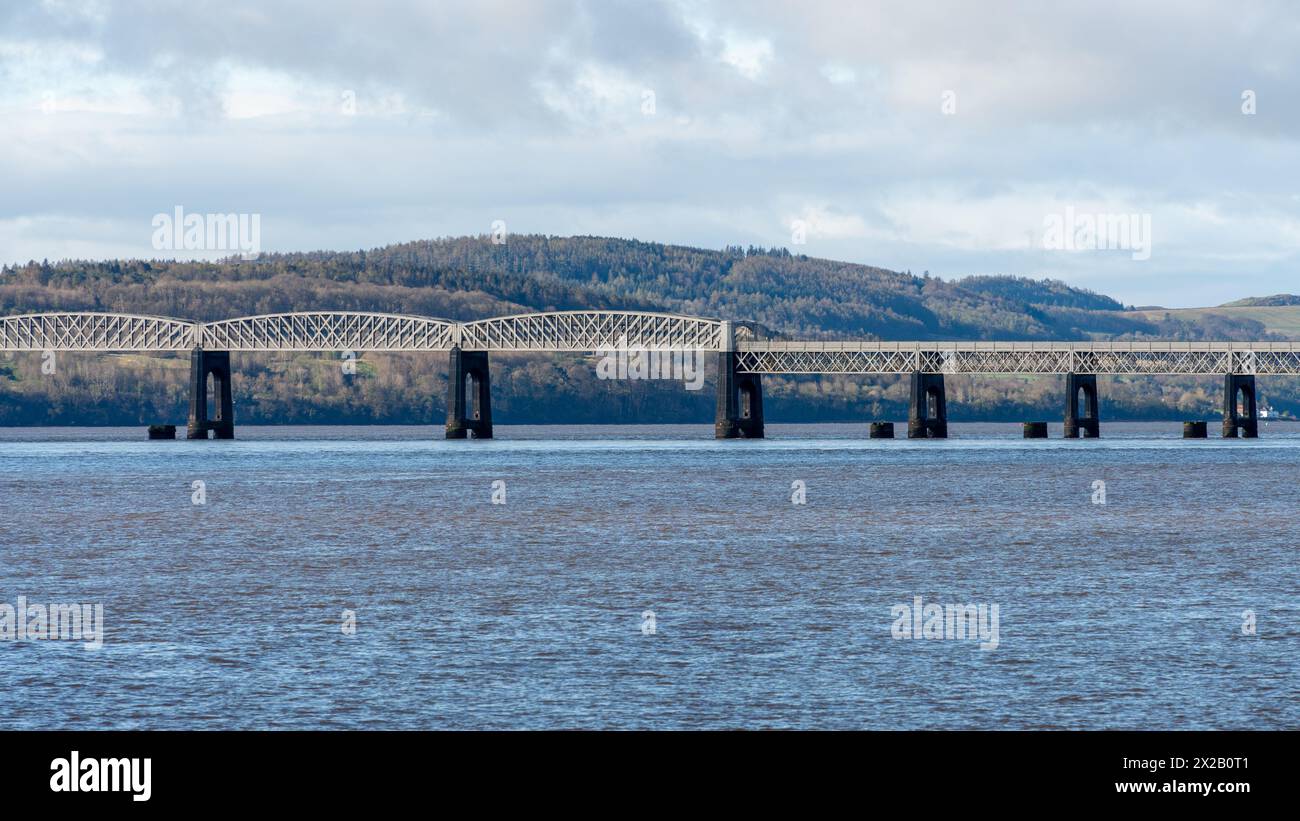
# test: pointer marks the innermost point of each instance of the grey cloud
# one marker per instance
(1102, 100)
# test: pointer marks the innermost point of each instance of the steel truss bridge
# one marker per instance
(744, 351)
(588, 331)
(1205, 358)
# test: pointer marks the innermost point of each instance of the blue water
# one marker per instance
(528, 614)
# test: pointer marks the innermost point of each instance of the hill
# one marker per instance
(1264, 301)
(1279, 321)
(470, 277)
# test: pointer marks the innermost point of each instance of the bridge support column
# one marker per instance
(1082, 423)
(928, 416)
(469, 407)
(1245, 420)
(222, 422)
(740, 401)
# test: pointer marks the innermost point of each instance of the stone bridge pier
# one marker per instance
(927, 416)
(221, 420)
(740, 401)
(1082, 420)
(1240, 416)
(469, 395)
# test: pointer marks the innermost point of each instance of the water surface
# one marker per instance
(767, 614)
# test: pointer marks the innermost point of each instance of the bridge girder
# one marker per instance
(1120, 358)
(85, 331)
(329, 331)
(591, 331)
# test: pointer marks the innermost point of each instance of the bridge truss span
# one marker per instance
(592, 331)
(329, 331)
(84, 331)
(1126, 358)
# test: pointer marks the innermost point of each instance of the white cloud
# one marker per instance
(748, 55)
(839, 74)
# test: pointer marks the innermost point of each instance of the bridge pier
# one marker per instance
(1245, 420)
(222, 423)
(1088, 424)
(928, 416)
(740, 401)
(469, 408)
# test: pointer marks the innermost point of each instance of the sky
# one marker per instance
(950, 137)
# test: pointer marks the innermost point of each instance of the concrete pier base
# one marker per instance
(469, 406)
(220, 420)
(927, 417)
(1035, 430)
(1195, 430)
(162, 431)
(882, 430)
(740, 402)
(1240, 415)
(1082, 420)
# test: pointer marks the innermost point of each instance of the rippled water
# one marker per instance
(767, 614)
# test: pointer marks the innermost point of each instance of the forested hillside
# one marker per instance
(471, 277)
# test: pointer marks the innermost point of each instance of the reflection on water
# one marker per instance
(766, 613)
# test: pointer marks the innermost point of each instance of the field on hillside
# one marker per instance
(1282, 319)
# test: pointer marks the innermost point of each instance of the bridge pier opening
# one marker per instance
(1082, 419)
(740, 401)
(220, 418)
(469, 395)
(927, 417)
(1239, 412)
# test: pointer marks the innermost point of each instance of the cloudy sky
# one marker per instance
(941, 137)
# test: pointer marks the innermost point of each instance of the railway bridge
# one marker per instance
(743, 352)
